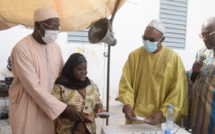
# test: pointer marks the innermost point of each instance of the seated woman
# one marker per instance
(74, 88)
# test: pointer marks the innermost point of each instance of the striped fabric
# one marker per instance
(203, 96)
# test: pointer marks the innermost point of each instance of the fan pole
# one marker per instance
(108, 56)
(108, 81)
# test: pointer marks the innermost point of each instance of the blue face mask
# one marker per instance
(150, 46)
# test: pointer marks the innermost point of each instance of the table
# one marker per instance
(141, 129)
(4, 93)
(3, 101)
(4, 90)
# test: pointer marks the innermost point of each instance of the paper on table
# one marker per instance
(141, 119)
(105, 113)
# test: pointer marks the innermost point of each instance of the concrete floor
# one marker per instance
(5, 127)
(117, 119)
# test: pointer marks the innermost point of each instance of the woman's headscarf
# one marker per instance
(67, 78)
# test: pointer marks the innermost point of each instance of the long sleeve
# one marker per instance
(24, 68)
(177, 89)
(126, 91)
(150, 82)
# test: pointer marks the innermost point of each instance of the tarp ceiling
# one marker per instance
(74, 14)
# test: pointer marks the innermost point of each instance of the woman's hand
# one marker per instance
(100, 110)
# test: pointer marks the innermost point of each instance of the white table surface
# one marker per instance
(141, 129)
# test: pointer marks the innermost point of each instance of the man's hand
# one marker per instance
(86, 118)
(196, 69)
(197, 66)
(129, 113)
(154, 119)
(71, 113)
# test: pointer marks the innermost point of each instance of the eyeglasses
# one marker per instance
(206, 36)
(151, 39)
(51, 27)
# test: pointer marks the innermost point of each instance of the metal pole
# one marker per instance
(108, 80)
(108, 65)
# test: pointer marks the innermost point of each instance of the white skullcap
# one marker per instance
(156, 24)
(45, 13)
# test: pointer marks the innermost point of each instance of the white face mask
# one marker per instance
(50, 35)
